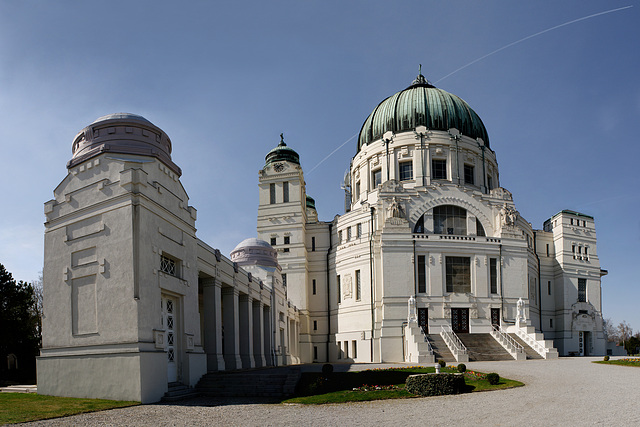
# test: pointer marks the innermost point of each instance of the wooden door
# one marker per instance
(423, 320)
(460, 320)
(495, 317)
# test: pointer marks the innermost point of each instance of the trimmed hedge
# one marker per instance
(493, 378)
(435, 384)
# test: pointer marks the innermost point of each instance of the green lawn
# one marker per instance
(377, 384)
(22, 407)
(621, 362)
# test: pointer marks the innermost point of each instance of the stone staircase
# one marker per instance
(269, 382)
(482, 347)
(440, 349)
(531, 353)
(177, 392)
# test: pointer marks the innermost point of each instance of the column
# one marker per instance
(246, 331)
(231, 344)
(212, 306)
(258, 334)
(268, 335)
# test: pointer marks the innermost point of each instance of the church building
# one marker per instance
(430, 256)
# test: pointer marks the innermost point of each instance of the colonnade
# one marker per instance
(238, 328)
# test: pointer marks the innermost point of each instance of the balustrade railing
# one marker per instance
(511, 345)
(453, 342)
(532, 342)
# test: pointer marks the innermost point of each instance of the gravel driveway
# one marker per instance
(567, 391)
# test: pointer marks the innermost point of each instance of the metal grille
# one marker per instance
(167, 265)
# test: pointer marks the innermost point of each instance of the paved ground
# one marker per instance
(567, 391)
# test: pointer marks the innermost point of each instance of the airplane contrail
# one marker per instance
(532, 36)
(493, 53)
(331, 154)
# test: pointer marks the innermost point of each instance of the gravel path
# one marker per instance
(567, 391)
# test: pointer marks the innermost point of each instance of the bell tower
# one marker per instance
(282, 217)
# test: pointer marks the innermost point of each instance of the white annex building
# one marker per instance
(431, 260)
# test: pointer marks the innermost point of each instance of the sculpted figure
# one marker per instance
(395, 210)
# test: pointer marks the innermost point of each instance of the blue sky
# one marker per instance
(224, 79)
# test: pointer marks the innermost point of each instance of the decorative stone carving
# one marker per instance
(508, 215)
(391, 186)
(346, 288)
(501, 193)
(395, 210)
(412, 310)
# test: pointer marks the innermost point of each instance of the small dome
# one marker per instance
(254, 251)
(122, 133)
(422, 104)
(282, 153)
(311, 204)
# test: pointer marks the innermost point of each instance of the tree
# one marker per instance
(19, 327)
(610, 330)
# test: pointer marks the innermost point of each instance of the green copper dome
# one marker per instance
(422, 104)
(282, 153)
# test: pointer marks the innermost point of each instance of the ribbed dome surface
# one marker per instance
(282, 153)
(422, 104)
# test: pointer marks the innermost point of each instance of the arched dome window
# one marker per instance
(450, 219)
(419, 228)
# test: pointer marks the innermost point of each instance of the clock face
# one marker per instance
(278, 167)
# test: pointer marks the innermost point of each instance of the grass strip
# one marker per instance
(23, 407)
(378, 384)
(621, 362)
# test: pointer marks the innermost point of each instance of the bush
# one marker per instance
(493, 378)
(606, 358)
(435, 384)
(442, 363)
(462, 368)
(327, 369)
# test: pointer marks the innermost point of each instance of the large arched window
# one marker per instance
(449, 219)
(419, 228)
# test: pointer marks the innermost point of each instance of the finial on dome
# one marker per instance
(421, 80)
(282, 144)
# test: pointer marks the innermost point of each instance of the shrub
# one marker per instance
(327, 369)
(606, 358)
(435, 384)
(462, 368)
(442, 363)
(493, 378)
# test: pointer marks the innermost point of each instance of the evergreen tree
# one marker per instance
(19, 327)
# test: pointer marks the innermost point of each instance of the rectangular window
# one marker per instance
(582, 290)
(376, 178)
(356, 194)
(458, 271)
(549, 287)
(490, 183)
(438, 169)
(348, 234)
(315, 352)
(273, 241)
(346, 349)
(272, 194)
(354, 349)
(551, 323)
(359, 230)
(358, 285)
(422, 274)
(285, 192)
(313, 286)
(315, 325)
(339, 236)
(406, 170)
(338, 287)
(287, 240)
(469, 177)
(168, 265)
(547, 249)
(493, 274)
(285, 250)
(284, 279)
(313, 244)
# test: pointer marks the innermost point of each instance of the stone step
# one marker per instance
(483, 347)
(440, 349)
(178, 391)
(274, 382)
